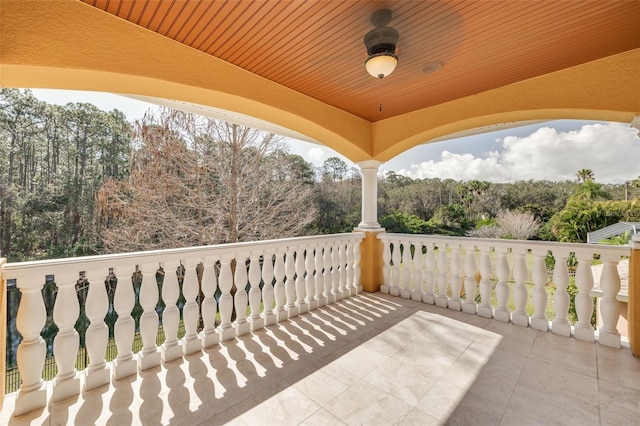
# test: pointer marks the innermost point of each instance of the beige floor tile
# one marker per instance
(441, 401)
(417, 417)
(556, 389)
(322, 418)
(564, 352)
(618, 404)
(618, 366)
(363, 404)
(407, 383)
(359, 361)
(288, 407)
(324, 384)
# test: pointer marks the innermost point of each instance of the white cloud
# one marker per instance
(315, 154)
(611, 150)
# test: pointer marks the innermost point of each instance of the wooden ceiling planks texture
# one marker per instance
(316, 47)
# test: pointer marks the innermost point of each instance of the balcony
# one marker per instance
(463, 331)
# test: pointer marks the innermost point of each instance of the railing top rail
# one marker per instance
(495, 242)
(51, 266)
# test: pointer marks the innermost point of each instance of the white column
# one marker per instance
(369, 170)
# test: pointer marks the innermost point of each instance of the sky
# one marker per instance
(553, 150)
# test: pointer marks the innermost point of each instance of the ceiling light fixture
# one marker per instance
(381, 45)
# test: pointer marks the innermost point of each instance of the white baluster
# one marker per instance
(520, 294)
(279, 289)
(149, 356)
(610, 285)
(442, 299)
(289, 285)
(416, 271)
(335, 272)
(256, 322)
(170, 349)
(429, 276)
(396, 273)
(31, 318)
(342, 254)
(327, 276)
(539, 320)
(267, 289)
(124, 300)
(405, 262)
(225, 330)
(561, 323)
(502, 288)
(584, 302)
(209, 336)
(300, 283)
(319, 278)
(309, 279)
(350, 289)
(455, 303)
(241, 298)
(97, 337)
(67, 341)
(190, 311)
(386, 267)
(357, 270)
(485, 309)
(470, 306)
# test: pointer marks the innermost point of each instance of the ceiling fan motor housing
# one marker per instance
(381, 40)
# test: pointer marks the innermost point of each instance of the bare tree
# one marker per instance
(517, 225)
(197, 181)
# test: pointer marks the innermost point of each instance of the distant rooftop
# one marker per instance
(613, 230)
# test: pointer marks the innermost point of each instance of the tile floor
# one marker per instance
(372, 360)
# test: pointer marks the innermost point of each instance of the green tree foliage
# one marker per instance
(52, 160)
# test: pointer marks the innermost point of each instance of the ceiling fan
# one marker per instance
(381, 45)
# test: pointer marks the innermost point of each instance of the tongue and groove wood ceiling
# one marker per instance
(316, 47)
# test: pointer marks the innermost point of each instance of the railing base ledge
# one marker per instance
(242, 328)
(95, 378)
(170, 353)
(65, 389)
(394, 291)
(227, 334)
(609, 339)
(561, 329)
(209, 340)
(384, 289)
(29, 401)
(122, 369)
(485, 312)
(148, 360)
(470, 308)
(455, 304)
(584, 333)
(256, 323)
(504, 316)
(416, 295)
(405, 294)
(521, 320)
(540, 324)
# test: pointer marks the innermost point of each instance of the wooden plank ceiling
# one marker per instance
(316, 47)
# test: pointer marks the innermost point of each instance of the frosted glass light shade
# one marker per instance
(381, 65)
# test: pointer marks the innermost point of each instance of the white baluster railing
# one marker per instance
(442, 271)
(256, 321)
(268, 291)
(149, 356)
(209, 336)
(416, 272)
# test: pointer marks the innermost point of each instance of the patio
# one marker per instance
(371, 359)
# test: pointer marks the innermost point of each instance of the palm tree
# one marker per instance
(585, 175)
